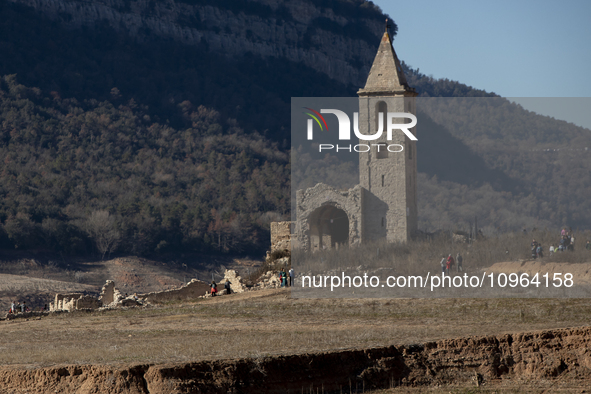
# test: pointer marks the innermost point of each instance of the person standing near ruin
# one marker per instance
(534, 246)
(460, 260)
(291, 276)
(12, 310)
(588, 245)
(227, 286)
(449, 264)
(282, 277)
(214, 288)
(443, 264)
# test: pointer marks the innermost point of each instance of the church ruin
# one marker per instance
(384, 204)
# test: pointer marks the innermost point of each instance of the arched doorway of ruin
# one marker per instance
(329, 228)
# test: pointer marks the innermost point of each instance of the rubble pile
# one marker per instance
(110, 297)
(236, 282)
(269, 280)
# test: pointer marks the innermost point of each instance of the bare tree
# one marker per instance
(102, 228)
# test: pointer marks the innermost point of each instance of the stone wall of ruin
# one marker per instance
(235, 282)
(64, 301)
(314, 199)
(88, 302)
(73, 301)
(192, 290)
(280, 236)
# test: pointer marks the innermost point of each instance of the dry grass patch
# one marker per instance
(269, 323)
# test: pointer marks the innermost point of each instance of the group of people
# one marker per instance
(566, 243)
(16, 307)
(448, 264)
(284, 275)
(537, 251)
(214, 287)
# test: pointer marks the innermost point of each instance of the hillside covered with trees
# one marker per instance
(79, 175)
(127, 139)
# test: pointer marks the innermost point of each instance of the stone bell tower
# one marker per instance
(389, 170)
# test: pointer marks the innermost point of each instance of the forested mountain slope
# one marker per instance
(75, 172)
(167, 123)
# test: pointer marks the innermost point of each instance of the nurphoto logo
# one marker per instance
(345, 129)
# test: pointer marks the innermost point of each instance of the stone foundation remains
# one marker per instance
(192, 290)
(72, 301)
(110, 297)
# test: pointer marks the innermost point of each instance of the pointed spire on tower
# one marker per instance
(386, 75)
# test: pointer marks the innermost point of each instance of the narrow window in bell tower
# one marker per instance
(381, 107)
(383, 180)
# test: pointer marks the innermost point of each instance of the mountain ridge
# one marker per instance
(345, 58)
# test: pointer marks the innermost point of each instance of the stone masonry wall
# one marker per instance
(61, 300)
(88, 302)
(390, 210)
(192, 290)
(311, 199)
(109, 293)
(235, 281)
(280, 236)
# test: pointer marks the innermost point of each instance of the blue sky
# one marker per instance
(518, 48)
(532, 48)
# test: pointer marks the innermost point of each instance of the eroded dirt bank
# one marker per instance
(555, 354)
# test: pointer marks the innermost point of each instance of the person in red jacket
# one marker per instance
(449, 264)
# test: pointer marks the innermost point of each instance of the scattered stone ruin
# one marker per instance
(73, 301)
(270, 280)
(236, 285)
(110, 297)
(192, 290)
